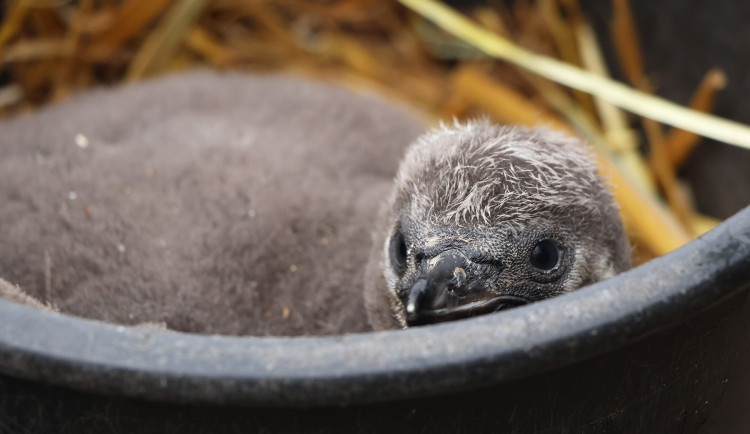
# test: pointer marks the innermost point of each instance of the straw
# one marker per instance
(625, 97)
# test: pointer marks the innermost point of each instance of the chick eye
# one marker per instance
(546, 255)
(398, 252)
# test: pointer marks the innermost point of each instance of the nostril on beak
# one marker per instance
(457, 285)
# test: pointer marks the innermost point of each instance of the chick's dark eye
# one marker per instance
(398, 252)
(546, 255)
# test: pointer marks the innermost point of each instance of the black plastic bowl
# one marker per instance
(661, 348)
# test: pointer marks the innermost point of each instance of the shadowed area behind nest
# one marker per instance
(214, 203)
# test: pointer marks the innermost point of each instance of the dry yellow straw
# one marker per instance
(618, 94)
(128, 20)
(628, 49)
(165, 39)
(680, 143)
(613, 119)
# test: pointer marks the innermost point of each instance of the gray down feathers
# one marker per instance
(215, 203)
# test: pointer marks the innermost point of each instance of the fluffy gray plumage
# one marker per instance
(490, 201)
(214, 203)
(220, 203)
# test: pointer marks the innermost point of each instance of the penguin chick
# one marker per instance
(483, 218)
(185, 203)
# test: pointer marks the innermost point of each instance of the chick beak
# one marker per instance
(448, 292)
